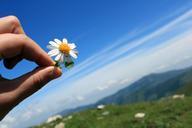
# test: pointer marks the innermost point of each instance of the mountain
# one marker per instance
(78, 109)
(148, 88)
(165, 113)
(153, 87)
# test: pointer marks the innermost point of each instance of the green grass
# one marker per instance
(166, 113)
(187, 89)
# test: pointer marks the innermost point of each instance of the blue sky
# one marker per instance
(84, 22)
(118, 42)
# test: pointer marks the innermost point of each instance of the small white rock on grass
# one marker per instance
(60, 125)
(139, 115)
(176, 96)
(53, 118)
(69, 117)
(100, 107)
(105, 113)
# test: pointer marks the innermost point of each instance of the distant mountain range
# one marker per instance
(148, 88)
(153, 87)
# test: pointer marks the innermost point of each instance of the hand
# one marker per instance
(15, 46)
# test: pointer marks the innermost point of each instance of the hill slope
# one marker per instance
(148, 88)
(153, 87)
(167, 113)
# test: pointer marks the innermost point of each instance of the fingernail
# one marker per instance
(56, 72)
(53, 63)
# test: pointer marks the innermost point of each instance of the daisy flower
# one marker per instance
(63, 52)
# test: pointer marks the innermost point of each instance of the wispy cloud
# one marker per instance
(135, 51)
(128, 44)
(127, 60)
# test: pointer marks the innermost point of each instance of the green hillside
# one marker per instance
(149, 88)
(165, 113)
(187, 88)
(153, 87)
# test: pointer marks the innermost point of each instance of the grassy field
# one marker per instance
(165, 113)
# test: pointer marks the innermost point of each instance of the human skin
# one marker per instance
(15, 46)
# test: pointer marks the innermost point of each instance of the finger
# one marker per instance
(11, 62)
(13, 45)
(33, 81)
(10, 24)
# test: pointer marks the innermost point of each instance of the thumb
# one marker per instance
(33, 81)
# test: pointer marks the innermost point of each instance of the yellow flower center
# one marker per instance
(64, 48)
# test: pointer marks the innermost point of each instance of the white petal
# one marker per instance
(65, 40)
(51, 47)
(58, 57)
(73, 54)
(53, 52)
(62, 58)
(75, 51)
(54, 44)
(58, 41)
(72, 46)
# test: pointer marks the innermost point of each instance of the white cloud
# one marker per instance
(27, 115)
(4, 126)
(103, 57)
(9, 119)
(143, 61)
(125, 81)
(101, 88)
(80, 98)
(174, 47)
